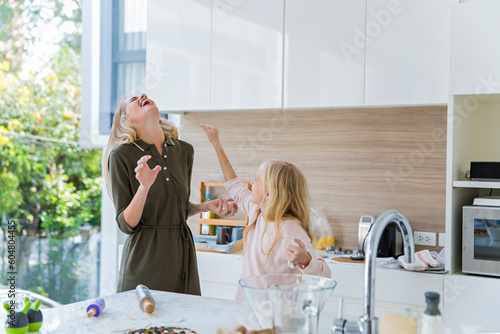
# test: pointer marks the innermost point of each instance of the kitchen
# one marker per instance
(365, 97)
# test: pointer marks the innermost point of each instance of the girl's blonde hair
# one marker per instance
(125, 132)
(288, 199)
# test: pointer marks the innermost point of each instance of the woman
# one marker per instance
(148, 175)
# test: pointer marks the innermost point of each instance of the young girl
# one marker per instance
(278, 237)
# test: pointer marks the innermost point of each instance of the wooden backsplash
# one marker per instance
(357, 161)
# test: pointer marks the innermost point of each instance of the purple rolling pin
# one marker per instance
(96, 307)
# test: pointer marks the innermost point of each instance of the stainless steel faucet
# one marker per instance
(367, 323)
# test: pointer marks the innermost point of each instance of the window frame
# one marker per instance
(100, 60)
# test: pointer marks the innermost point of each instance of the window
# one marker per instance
(128, 53)
(114, 62)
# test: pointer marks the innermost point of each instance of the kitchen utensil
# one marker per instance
(237, 233)
(296, 307)
(35, 316)
(16, 322)
(392, 323)
(364, 225)
(391, 243)
(311, 291)
(223, 235)
(96, 307)
(145, 299)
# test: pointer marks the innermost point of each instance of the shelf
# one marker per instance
(222, 221)
(476, 184)
(219, 221)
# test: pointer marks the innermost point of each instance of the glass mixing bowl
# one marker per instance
(259, 289)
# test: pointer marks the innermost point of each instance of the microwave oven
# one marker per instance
(481, 240)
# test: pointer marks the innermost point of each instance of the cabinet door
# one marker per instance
(178, 54)
(468, 304)
(247, 54)
(324, 53)
(407, 52)
(475, 48)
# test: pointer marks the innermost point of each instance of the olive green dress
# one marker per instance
(159, 252)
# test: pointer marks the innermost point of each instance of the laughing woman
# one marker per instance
(148, 175)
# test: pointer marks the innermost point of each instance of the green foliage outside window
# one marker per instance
(59, 183)
(49, 186)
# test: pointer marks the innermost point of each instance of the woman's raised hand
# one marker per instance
(144, 174)
(212, 133)
(222, 207)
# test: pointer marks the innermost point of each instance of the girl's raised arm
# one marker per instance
(213, 136)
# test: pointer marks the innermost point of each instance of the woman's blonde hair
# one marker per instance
(288, 199)
(125, 132)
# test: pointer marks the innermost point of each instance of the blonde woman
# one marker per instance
(278, 233)
(148, 175)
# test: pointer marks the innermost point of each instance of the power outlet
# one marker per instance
(424, 238)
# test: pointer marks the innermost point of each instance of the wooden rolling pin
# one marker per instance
(145, 299)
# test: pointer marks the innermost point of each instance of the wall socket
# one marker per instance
(424, 238)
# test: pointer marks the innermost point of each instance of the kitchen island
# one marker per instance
(122, 314)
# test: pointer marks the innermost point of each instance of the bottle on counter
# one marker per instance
(432, 321)
(207, 229)
(145, 299)
(208, 214)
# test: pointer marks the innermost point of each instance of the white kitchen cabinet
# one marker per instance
(219, 274)
(470, 303)
(247, 54)
(475, 48)
(178, 54)
(324, 58)
(407, 52)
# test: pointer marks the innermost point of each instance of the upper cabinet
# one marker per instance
(475, 48)
(324, 64)
(407, 51)
(178, 54)
(247, 54)
(267, 54)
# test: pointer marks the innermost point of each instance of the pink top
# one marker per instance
(255, 255)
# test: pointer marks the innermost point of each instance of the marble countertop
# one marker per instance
(122, 314)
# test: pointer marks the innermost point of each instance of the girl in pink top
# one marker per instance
(277, 239)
